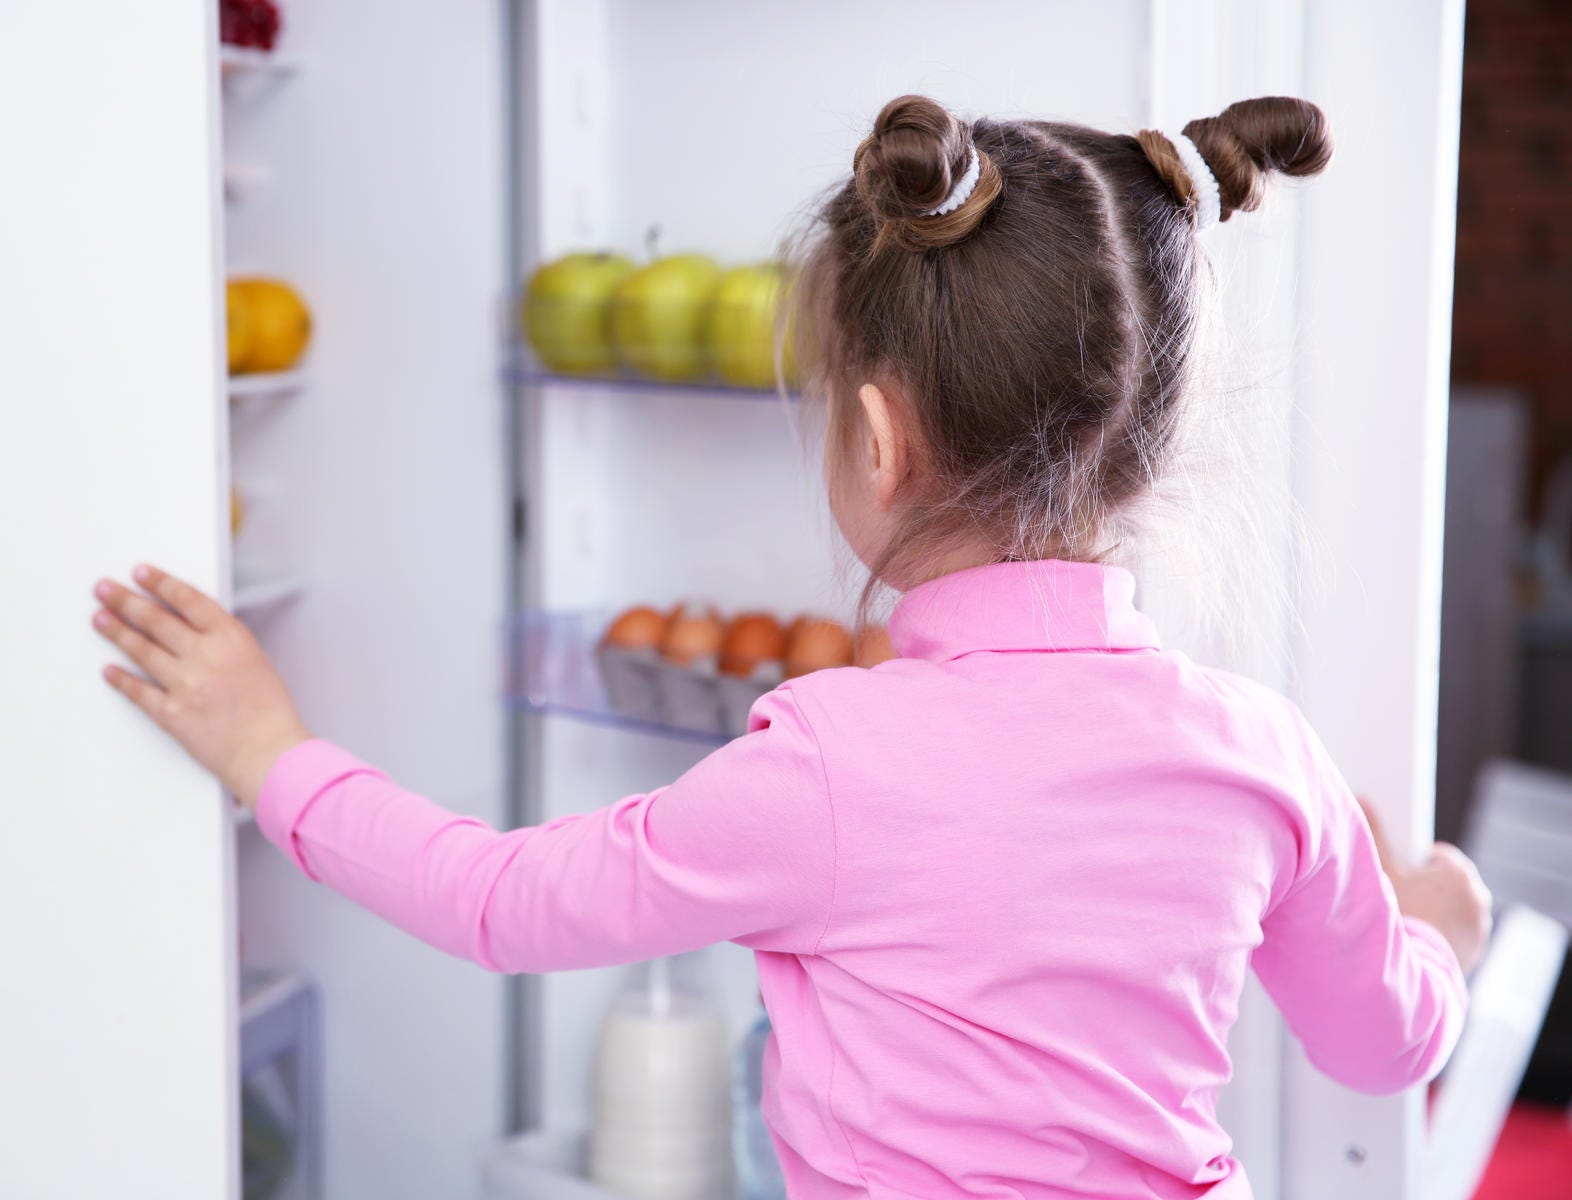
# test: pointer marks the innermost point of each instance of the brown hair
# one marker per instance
(1038, 339)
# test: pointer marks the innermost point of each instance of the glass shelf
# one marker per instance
(245, 60)
(266, 383)
(530, 374)
(256, 591)
(555, 669)
(609, 718)
(242, 180)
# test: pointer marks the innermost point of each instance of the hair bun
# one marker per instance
(1245, 144)
(907, 166)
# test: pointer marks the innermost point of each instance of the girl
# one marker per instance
(1004, 889)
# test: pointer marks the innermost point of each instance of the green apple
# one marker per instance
(740, 331)
(657, 316)
(567, 312)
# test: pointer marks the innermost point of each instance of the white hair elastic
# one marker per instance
(962, 190)
(1209, 199)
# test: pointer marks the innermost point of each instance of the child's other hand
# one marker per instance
(208, 685)
(1445, 890)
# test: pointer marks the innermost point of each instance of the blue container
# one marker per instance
(758, 1170)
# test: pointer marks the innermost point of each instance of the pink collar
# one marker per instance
(1051, 604)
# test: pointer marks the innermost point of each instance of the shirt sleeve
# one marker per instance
(740, 848)
(1376, 998)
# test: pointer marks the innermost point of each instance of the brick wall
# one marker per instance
(1512, 317)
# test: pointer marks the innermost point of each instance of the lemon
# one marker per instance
(279, 325)
(237, 326)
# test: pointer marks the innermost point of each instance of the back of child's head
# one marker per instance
(1039, 339)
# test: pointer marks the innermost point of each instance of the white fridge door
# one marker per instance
(117, 1011)
(1370, 477)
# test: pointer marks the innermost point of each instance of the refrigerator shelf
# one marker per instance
(243, 60)
(280, 1084)
(259, 591)
(530, 375)
(270, 383)
(554, 670)
(542, 1165)
(264, 993)
(611, 719)
(242, 180)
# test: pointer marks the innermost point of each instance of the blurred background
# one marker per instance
(1506, 649)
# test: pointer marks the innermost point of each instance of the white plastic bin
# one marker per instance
(541, 1166)
(545, 1165)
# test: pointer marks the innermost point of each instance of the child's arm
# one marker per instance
(740, 847)
(1377, 997)
(1444, 891)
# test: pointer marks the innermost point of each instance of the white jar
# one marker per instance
(662, 1086)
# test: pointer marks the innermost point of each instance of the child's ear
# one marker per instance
(886, 446)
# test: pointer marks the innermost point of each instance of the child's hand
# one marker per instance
(1445, 890)
(209, 685)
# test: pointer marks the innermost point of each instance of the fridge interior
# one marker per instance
(638, 497)
(374, 484)
(406, 170)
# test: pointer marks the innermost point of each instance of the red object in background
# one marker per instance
(1533, 1159)
(250, 23)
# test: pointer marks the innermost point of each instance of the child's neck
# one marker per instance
(957, 558)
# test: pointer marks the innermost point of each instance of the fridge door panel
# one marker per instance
(385, 498)
(1370, 474)
(117, 1015)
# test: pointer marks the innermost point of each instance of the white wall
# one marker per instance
(382, 484)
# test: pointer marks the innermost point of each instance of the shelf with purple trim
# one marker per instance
(557, 667)
(523, 370)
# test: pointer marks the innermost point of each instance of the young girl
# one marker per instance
(1004, 889)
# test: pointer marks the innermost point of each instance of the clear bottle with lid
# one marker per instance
(662, 1118)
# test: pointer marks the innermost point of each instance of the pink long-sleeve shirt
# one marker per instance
(1003, 892)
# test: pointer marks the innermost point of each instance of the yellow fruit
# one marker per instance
(237, 326)
(658, 313)
(280, 325)
(567, 312)
(237, 512)
(739, 330)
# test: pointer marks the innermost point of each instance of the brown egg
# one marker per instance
(796, 626)
(871, 646)
(692, 634)
(639, 628)
(817, 644)
(750, 639)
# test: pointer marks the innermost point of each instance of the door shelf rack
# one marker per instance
(267, 383)
(554, 669)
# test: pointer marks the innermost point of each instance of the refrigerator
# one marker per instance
(417, 497)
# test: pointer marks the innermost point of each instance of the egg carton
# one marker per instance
(696, 697)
